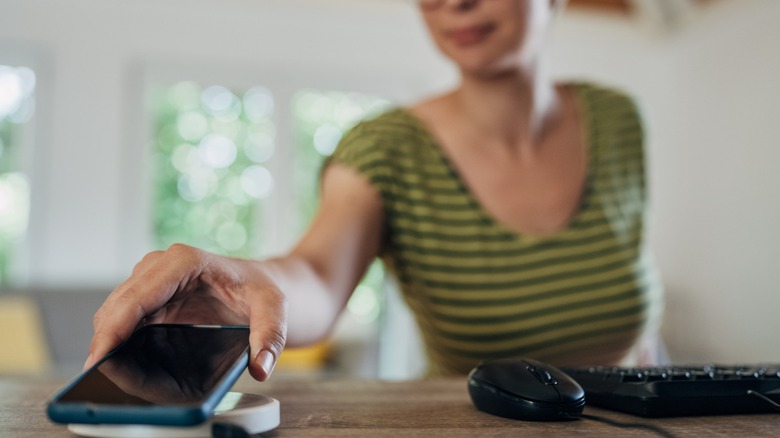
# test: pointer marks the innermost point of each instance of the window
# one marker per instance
(212, 178)
(17, 105)
(211, 147)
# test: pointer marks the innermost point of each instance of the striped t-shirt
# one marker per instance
(480, 290)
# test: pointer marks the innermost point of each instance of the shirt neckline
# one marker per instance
(579, 91)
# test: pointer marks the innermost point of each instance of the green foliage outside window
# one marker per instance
(17, 86)
(211, 146)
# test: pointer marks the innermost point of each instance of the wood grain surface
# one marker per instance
(354, 408)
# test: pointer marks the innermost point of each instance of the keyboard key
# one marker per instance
(680, 390)
(635, 377)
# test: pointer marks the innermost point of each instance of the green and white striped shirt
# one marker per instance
(480, 290)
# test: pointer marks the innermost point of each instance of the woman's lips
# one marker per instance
(467, 36)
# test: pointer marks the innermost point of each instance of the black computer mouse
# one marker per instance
(525, 389)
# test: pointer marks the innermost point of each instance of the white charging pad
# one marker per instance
(254, 413)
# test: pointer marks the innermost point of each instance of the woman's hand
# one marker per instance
(185, 285)
(188, 285)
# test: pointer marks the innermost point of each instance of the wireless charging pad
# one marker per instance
(253, 413)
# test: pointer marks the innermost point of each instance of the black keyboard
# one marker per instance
(680, 391)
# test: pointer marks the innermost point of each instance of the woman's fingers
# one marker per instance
(267, 330)
(196, 287)
(154, 282)
(147, 261)
(113, 323)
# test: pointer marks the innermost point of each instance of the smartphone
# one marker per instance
(164, 374)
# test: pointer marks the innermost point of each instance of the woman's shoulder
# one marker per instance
(396, 121)
(394, 128)
(601, 97)
(392, 133)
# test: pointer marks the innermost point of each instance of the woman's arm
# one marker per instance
(294, 299)
(320, 273)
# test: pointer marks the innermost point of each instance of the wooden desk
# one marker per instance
(435, 408)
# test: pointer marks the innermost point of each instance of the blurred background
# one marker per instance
(127, 126)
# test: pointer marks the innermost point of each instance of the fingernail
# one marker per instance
(265, 359)
(89, 360)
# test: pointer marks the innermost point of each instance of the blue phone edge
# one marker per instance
(171, 415)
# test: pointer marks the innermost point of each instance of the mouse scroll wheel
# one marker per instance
(543, 375)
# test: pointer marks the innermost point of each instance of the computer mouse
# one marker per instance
(525, 389)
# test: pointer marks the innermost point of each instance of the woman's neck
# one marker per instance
(514, 109)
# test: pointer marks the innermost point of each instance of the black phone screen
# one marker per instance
(163, 365)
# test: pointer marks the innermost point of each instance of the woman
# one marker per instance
(510, 209)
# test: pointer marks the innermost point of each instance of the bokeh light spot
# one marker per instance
(364, 304)
(217, 151)
(258, 103)
(192, 125)
(221, 102)
(259, 147)
(231, 236)
(257, 182)
(326, 138)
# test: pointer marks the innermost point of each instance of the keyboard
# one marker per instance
(681, 390)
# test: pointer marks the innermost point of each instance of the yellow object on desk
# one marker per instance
(305, 358)
(22, 338)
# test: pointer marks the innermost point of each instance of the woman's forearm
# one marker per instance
(314, 303)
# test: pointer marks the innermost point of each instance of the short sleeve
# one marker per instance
(617, 136)
(367, 148)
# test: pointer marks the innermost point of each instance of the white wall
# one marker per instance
(718, 188)
(710, 91)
